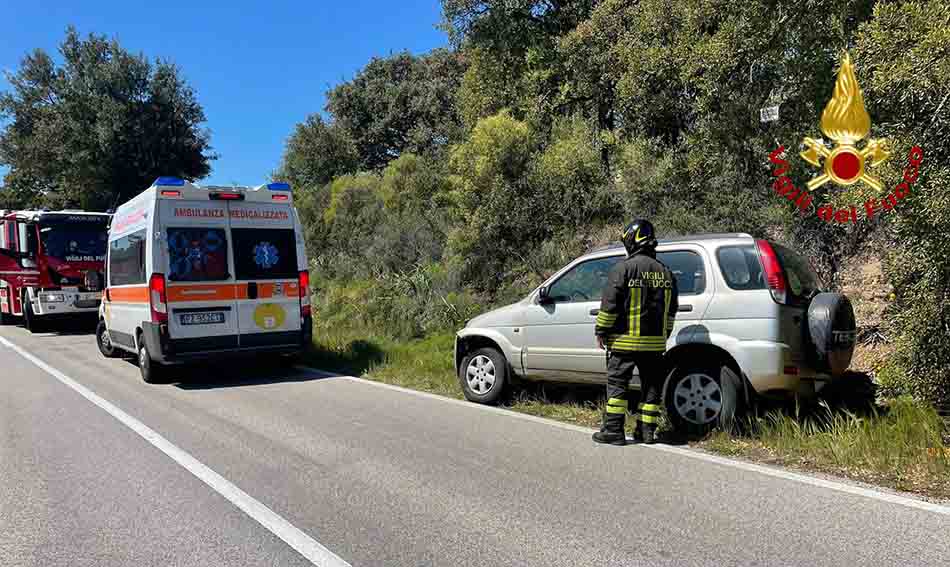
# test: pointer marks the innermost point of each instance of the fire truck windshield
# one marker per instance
(75, 241)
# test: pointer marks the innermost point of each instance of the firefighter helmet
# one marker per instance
(638, 235)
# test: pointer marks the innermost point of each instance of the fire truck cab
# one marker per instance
(51, 264)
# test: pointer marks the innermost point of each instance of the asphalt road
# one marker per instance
(384, 477)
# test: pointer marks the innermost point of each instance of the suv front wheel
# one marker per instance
(483, 375)
(699, 398)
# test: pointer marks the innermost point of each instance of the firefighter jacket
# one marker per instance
(638, 305)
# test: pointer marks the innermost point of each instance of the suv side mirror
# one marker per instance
(543, 296)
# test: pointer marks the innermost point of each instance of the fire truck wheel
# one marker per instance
(30, 320)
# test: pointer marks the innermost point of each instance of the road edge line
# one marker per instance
(299, 541)
(839, 486)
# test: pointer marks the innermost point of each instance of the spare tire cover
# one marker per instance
(831, 332)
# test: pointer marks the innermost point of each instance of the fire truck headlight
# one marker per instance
(54, 297)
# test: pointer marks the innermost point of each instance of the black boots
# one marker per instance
(611, 432)
(647, 436)
(644, 433)
(609, 438)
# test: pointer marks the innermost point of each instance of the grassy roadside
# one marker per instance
(902, 446)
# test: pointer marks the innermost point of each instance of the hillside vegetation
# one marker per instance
(436, 185)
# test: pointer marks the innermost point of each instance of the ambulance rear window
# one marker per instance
(264, 253)
(197, 254)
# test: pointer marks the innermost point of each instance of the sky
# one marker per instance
(258, 68)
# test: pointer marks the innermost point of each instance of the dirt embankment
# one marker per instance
(863, 281)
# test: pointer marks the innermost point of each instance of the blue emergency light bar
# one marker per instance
(279, 186)
(169, 181)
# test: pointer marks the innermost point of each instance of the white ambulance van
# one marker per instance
(198, 272)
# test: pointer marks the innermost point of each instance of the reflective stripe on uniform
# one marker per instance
(666, 311)
(650, 407)
(648, 418)
(606, 319)
(635, 311)
(624, 342)
(617, 405)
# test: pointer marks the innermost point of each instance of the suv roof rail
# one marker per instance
(685, 238)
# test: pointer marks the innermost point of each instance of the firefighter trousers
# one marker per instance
(620, 367)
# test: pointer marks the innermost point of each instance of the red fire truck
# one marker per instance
(51, 264)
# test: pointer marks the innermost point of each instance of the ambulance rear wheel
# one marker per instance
(152, 372)
(106, 347)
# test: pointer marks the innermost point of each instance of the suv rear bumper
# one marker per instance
(166, 350)
(766, 364)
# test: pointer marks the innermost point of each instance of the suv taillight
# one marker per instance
(774, 275)
(157, 298)
(303, 282)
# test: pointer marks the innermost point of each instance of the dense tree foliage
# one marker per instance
(99, 128)
(907, 50)
(561, 119)
(397, 104)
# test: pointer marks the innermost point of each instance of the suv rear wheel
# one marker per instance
(699, 398)
(483, 375)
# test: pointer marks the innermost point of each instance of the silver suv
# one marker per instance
(752, 321)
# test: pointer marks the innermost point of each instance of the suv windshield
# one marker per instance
(75, 241)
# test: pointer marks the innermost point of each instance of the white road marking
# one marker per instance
(690, 453)
(298, 540)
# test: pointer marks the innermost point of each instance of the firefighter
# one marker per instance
(637, 309)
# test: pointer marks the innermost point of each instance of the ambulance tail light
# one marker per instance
(157, 298)
(280, 197)
(303, 283)
(774, 275)
(170, 193)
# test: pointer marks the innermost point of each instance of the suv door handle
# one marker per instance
(685, 308)
(252, 290)
(594, 312)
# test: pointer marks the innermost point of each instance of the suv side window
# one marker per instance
(740, 267)
(584, 282)
(688, 269)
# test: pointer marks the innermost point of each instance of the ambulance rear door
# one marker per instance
(266, 271)
(199, 271)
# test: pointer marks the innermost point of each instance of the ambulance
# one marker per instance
(198, 272)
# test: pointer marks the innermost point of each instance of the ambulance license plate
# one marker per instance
(211, 318)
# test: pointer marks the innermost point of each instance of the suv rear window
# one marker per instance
(265, 253)
(802, 280)
(740, 267)
(197, 254)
